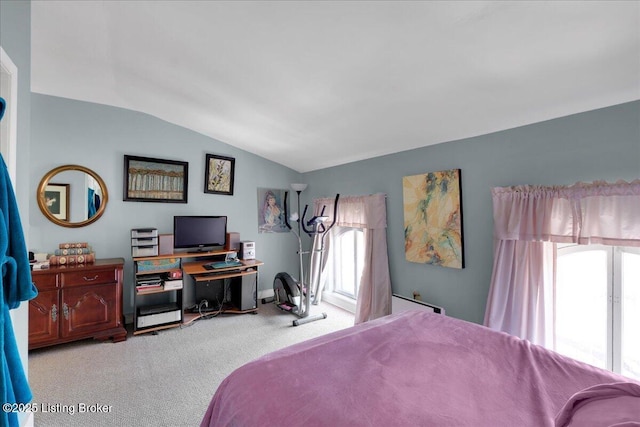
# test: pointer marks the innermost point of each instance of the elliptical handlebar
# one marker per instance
(316, 222)
(286, 212)
(335, 212)
(301, 219)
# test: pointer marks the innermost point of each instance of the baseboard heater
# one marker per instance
(400, 304)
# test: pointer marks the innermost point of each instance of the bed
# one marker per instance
(421, 369)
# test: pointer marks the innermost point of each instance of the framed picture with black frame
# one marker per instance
(57, 200)
(219, 173)
(155, 180)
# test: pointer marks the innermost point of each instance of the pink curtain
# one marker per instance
(370, 214)
(520, 297)
(528, 221)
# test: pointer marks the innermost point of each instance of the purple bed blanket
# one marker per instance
(410, 369)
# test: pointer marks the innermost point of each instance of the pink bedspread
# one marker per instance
(410, 369)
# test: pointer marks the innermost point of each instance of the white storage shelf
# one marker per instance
(138, 251)
(144, 233)
(144, 242)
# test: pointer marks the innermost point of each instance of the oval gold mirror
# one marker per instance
(72, 196)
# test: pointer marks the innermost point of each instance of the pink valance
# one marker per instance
(357, 211)
(585, 213)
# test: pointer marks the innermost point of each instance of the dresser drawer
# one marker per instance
(45, 281)
(90, 277)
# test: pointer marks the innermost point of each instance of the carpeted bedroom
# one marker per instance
(166, 379)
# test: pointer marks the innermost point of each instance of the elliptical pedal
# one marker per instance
(286, 306)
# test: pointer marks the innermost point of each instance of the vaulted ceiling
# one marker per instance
(314, 84)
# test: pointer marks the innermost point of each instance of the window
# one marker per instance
(348, 261)
(597, 306)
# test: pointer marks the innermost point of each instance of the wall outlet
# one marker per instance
(417, 296)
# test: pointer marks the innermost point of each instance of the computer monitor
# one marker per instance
(199, 233)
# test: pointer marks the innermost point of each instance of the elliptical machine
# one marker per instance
(291, 295)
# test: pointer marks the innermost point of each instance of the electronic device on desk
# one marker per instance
(247, 250)
(233, 242)
(231, 260)
(223, 264)
(199, 233)
(244, 297)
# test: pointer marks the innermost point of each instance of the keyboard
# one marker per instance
(221, 264)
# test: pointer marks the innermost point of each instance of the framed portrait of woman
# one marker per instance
(271, 211)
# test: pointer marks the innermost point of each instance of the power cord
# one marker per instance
(205, 304)
(208, 315)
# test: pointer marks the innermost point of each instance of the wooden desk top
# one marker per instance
(182, 255)
(196, 268)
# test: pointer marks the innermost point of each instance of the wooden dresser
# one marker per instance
(76, 302)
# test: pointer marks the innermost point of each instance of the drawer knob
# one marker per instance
(90, 279)
(54, 313)
(65, 310)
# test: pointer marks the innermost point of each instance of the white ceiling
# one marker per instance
(314, 84)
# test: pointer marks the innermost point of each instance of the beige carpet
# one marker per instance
(160, 380)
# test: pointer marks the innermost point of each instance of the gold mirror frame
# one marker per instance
(45, 181)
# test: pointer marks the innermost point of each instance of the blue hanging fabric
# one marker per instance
(91, 203)
(15, 286)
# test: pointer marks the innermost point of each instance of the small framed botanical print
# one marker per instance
(219, 172)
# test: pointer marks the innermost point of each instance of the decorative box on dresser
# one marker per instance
(76, 302)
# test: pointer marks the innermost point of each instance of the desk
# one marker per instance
(242, 283)
(235, 288)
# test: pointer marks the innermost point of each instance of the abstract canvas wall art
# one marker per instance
(433, 218)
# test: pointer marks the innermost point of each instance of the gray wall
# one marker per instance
(97, 136)
(597, 145)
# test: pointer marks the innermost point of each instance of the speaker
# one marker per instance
(233, 242)
(247, 250)
(243, 295)
(165, 241)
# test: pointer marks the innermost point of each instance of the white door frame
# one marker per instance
(9, 123)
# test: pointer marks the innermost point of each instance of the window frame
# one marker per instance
(616, 301)
(614, 257)
(338, 233)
